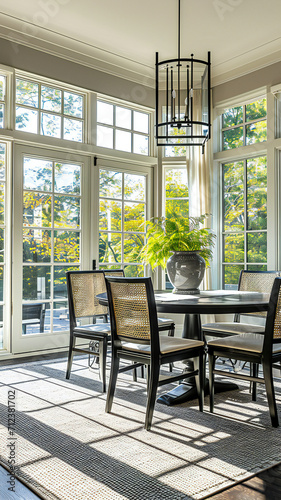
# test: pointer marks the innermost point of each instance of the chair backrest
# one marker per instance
(133, 311)
(257, 281)
(273, 318)
(83, 288)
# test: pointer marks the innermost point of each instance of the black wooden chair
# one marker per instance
(135, 337)
(33, 314)
(249, 281)
(83, 287)
(164, 324)
(264, 349)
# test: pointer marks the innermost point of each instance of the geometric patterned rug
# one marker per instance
(68, 448)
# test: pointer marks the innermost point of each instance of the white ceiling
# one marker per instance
(122, 36)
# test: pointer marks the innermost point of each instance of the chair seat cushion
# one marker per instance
(232, 328)
(249, 342)
(167, 345)
(97, 328)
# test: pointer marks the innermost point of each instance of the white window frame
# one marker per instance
(59, 86)
(110, 164)
(132, 107)
(50, 340)
(269, 149)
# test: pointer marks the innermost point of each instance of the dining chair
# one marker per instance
(135, 337)
(249, 281)
(163, 323)
(82, 288)
(256, 348)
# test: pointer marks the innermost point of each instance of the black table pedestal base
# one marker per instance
(187, 392)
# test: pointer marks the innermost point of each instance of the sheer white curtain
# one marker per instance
(199, 174)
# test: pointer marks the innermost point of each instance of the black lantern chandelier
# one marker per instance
(177, 81)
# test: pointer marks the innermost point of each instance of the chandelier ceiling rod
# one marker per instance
(176, 120)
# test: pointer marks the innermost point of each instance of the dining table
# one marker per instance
(192, 307)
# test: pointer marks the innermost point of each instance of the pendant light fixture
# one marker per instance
(178, 80)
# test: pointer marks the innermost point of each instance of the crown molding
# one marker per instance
(23, 33)
(251, 61)
(20, 32)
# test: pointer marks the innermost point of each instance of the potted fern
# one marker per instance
(181, 245)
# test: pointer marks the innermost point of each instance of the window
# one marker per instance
(122, 128)
(51, 240)
(176, 191)
(244, 218)
(176, 196)
(172, 151)
(49, 110)
(122, 216)
(244, 125)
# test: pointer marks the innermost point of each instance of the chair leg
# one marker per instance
(102, 356)
(70, 355)
(147, 376)
(135, 376)
(171, 332)
(268, 378)
(112, 382)
(151, 396)
(254, 371)
(199, 379)
(211, 381)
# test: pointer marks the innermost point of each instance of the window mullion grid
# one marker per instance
(52, 249)
(62, 116)
(132, 131)
(123, 219)
(245, 214)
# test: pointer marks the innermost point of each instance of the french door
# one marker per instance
(50, 236)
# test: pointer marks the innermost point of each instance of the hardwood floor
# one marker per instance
(21, 491)
(266, 485)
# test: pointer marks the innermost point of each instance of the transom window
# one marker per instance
(122, 216)
(122, 128)
(244, 218)
(48, 110)
(244, 125)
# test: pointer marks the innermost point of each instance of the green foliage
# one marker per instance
(245, 216)
(175, 234)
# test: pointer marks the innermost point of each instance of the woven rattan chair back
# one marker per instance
(257, 281)
(277, 321)
(273, 320)
(131, 311)
(85, 286)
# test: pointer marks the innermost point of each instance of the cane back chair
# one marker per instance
(164, 324)
(135, 337)
(254, 348)
(83, 287)
(249, 281)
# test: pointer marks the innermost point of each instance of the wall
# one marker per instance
(42, 63)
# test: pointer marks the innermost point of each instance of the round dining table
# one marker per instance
(192, 307)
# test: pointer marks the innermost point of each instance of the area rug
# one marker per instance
(67, 448)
